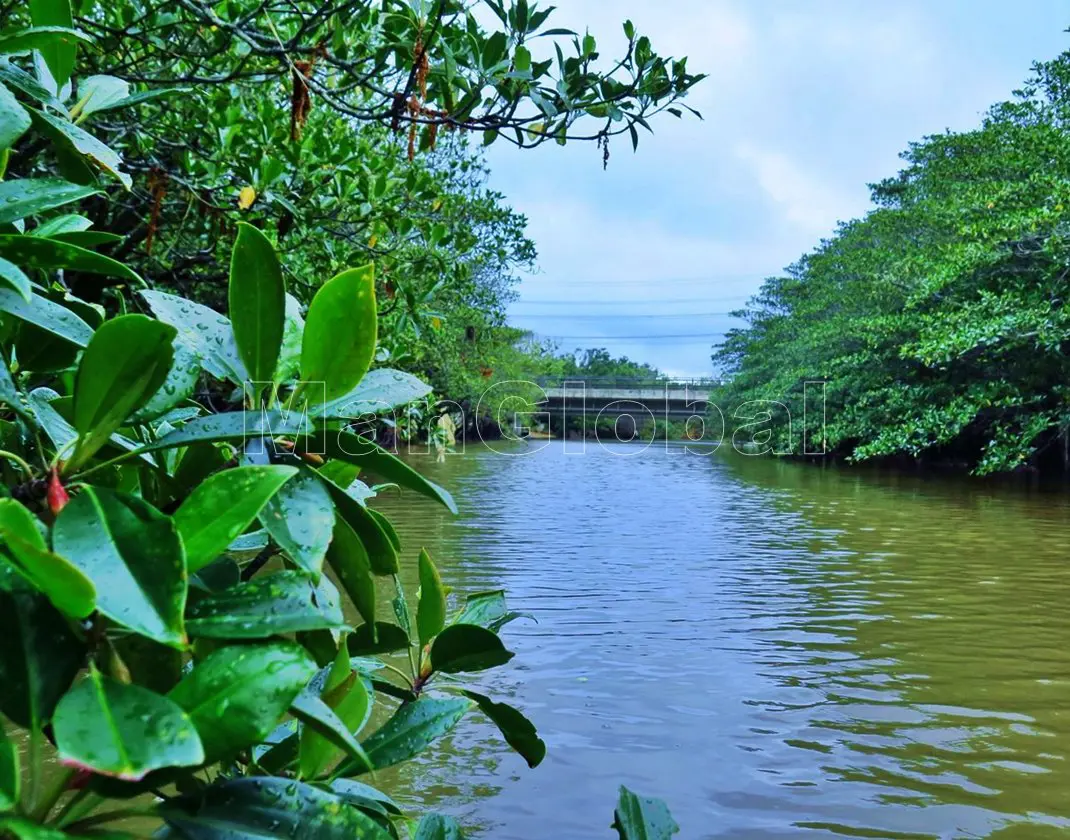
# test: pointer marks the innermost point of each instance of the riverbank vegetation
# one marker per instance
(939, 321)
(219, 244)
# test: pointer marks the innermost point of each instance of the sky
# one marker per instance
(807, 102)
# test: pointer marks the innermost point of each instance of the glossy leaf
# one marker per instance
(77, 141)
(286, 602)
(134, 556)
(464, 648)
(431, 609)
(204, 330)
(24, 197)
(413, 728)
(238, 695)
(369, 456)
(382, 555)
(264, 807)
(349, 560)
(340, 333)
(300, 518)
(47, 253)
(58, 55)
(330, 724)
(39, 659)
(438, 827)
(50, 317)
(123, 730)
(41, 38)
(222, 507)
(637, 818)
(125, 364)
(70, 591)
(518, 731)
(9, 773)
(257, 302)
(386, 638)
(379, 391)
(14, 119)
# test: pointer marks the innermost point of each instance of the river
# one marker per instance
(777, 650)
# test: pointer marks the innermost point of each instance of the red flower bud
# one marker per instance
(56, 496)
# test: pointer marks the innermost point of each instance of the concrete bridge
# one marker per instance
(643, 401)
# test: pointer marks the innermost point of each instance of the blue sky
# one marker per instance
(807, 102)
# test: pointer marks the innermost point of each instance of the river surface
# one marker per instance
(777, 650)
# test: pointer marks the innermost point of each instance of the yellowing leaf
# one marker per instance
(246, 198)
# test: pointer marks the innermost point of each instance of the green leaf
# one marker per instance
(300, 518)
(19, 79)
(358, 450)
(330, 724)
(45, 253)
(519, 732)
(382, 553)
(237, 696)
(463, 648)
(13, 276)
(71, 139)
(438, 827)
(431, 610)
(286, 602)
(340, 333)
(123, 730)
(636, 818)
(133, 555)
(59, 55)
(41, 38)
(50, 317)
(413, 728)
(126, 362)
(387, 638)
(207, 332)
(234, 427)
(379, 391)
(257, 302)
(222, 507)
(179, 385)
(264, 807)
(14, 119)
(9, 773)
(40, 656)
(349, 560)
(68, 223)
(98, 93)
(70, 591)
(24, 197)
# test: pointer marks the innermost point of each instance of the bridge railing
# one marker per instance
(627, 384)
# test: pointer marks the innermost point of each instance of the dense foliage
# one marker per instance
(939, 321)
(200, 611)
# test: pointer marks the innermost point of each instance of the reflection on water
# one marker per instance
(777, 650)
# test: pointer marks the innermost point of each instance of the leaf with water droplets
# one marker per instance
(133, 555)
(22, 197)
(413, 728)
(639, 818)
(46, 253)
(124, 731)
(264, 807)
(379, 391)
(287, 602)
(300, 518)
(206, 332)
(237, 696)
(340, 332)
(220, 509)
